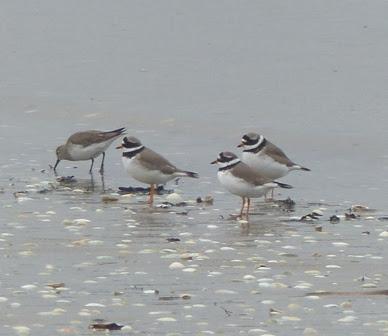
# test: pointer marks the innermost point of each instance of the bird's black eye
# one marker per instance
(127, 143)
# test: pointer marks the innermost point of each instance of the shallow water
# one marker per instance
(189, 79)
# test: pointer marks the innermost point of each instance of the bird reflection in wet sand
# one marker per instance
(88, 185)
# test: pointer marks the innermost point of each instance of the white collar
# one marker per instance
(259, 142)
(225, 165)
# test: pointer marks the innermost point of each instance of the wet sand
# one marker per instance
(189, 79)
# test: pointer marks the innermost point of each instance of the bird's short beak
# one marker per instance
(119, 147)
(241, 145)
(214, 162)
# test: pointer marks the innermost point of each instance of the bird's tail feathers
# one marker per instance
(117, 132)
(298, 167)
(187, 173)
(283, 185)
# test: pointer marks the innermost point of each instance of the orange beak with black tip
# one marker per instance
(119, 147)
(214, 162)
(241, 145)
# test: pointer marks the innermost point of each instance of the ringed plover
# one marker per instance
(239, 179)
(147, 166)
(266, 158)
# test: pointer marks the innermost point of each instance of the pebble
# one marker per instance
(291, 318)
(81, 221)
(174, 198)
(149, 291)
(340, 244)
(268, 302)
(95, 242)
(225, 291)
(348, 319)
(29, 287)
(94, 305)
(211, 226)
(166, 319)
(176, 265)
(126, 328)
(227, 248)
(333, 266)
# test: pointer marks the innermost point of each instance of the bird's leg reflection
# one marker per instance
(91, 182)
(102, 182)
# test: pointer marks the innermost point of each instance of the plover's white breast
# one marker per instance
(141, 173)
(240, 187)
(265, 165)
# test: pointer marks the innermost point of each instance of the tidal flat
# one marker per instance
(74, 254)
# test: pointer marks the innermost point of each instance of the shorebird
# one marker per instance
(147, 166)
(87, 145)
(266, 158)
(239, 179)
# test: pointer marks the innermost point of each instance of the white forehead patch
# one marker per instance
(229, 163)
(129, 150)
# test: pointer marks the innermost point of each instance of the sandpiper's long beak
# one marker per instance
(119, 147)
(241, 145)
(214, 162)
(56, 164)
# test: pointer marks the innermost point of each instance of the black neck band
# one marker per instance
(228, 167)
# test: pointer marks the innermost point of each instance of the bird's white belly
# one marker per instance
(142, 174)
(265, 165)
(79, 153)
(240, 187)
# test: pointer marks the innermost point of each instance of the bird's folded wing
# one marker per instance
(277, 154)
(88, 138)
(154, 161)
(245, 173)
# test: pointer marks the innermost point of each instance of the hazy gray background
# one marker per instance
(310, 75)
